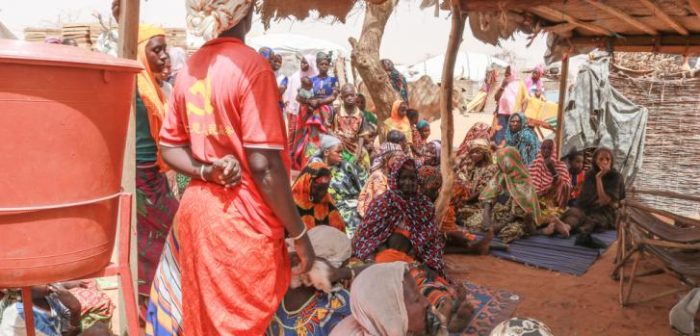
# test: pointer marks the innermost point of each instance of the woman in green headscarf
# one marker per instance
(520, 215)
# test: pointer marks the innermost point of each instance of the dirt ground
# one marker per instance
(570, 305)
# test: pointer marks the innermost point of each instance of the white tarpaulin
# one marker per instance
(295, 44)
(469, 65)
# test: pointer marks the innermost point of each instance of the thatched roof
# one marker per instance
(576, 26)
(275, 10)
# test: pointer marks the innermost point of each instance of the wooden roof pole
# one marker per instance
(446, 118)
(128, 43)
(695, 5)
(555, 15)
(563, 86)
(624, 17)
(658, 12)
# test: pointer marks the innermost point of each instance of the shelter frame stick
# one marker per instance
(563, 81)
(128, 43)
(446, 118)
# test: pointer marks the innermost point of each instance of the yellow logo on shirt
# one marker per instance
(202, 90)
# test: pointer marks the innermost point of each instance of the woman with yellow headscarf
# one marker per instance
(399, 121)
(155, 203)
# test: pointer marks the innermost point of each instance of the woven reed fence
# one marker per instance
(672, 144)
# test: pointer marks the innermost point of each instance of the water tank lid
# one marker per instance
(39, 53)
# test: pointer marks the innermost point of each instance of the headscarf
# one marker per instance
(149, 90)
(480, 130)
(541, 176)
(391, 209)
(525, 140)
(265, 52)
(529, 82)
(178, 59)
(315, 214)
(422, 124)
(401, 124)
(290, 95)
(331, 244)
(377, 303)
(512, 176)
(512, 98)
(384, 150)
(328, 142)
(209, 18)
(324, 56)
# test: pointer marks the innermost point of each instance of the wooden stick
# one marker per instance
(128, 45)
(623, 16)
(658, 12)
(695, 5)
(552, 14)
(663, 193)
(670, 44)
(563, 85)
(446, 118)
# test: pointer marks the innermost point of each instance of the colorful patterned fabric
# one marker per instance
(479, 130)
(576, 183)
(543, 180)
(430, 181)
(376, 185)
(513, 177)
(156, 207)
(324, 86)
(95, 306)
(310, 125)
(164, 314)
(392, 209)
(348, 127)
(434, 287)
(525, 140)
(512, 219)
(320, 213)
(347, 181)
(316, 318)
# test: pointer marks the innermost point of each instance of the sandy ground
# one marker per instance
(570, 305)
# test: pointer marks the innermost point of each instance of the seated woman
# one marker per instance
(386, 302)
(575, 161)
(399, 226)
(603, 187)
(396, 137)
(551, 179)
(315, 114)
(314, 203)
(346, 182)
(479, 130)
(377, 183)
(457, 239)
(520, 215)
(520, 136)
(472, 174)
(309, 311)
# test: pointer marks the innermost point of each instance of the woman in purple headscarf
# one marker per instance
(534, 84)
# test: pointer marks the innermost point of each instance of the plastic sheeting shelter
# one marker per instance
(599, 115)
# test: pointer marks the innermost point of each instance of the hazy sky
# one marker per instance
(411, 34)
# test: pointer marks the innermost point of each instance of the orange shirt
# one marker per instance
(224, 100)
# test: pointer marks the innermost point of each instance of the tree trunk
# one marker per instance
(365, 57)
(446, 119)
